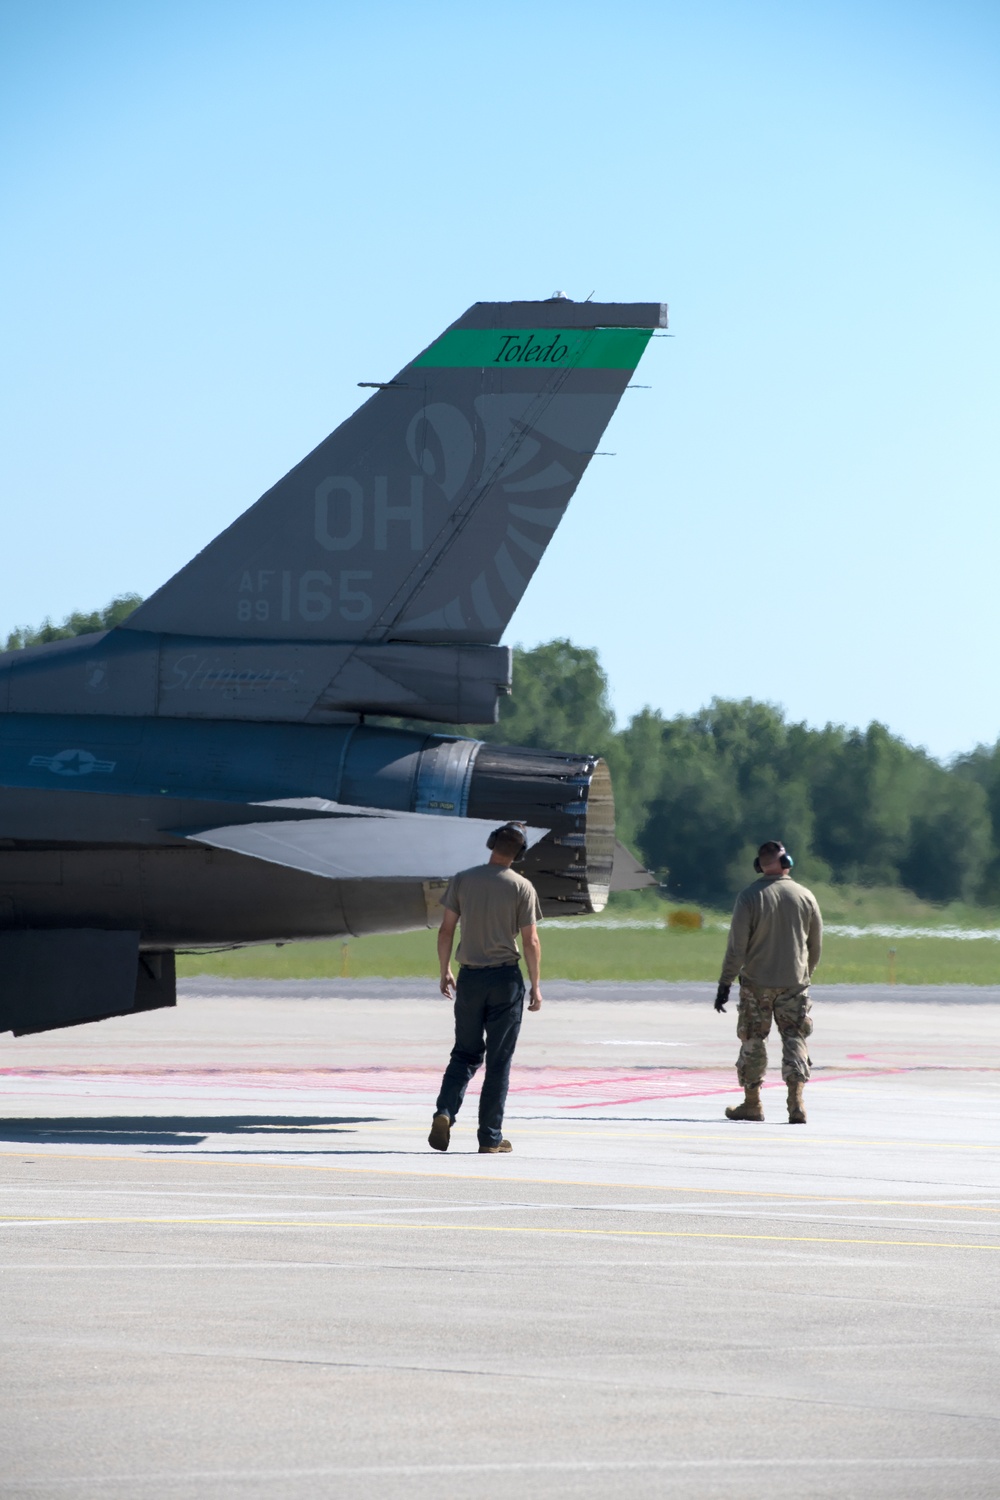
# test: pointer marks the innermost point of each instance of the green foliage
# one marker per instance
(697, 793)
(714, 779)
(981, 769)
(75, 624)
(559, 701)
(589, 952)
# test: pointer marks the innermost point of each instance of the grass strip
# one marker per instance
(600, 954)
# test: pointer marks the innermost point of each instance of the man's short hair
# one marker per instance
(509, 841)
(772, 846)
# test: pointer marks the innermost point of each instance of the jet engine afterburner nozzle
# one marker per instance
(571, 795)
(450, 776)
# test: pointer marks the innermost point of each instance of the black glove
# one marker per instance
(721, 996)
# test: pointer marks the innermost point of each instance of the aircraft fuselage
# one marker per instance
(102, 818)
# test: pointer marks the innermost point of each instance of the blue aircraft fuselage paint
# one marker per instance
(239, 762)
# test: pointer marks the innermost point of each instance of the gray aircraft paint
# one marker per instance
(361, 843)
(380, 573)
(129, 673)
(424, 515)
(199, 774)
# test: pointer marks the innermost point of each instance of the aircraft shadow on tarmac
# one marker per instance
(167, 1130)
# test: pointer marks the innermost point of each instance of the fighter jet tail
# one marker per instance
(422, 518)
(379, 575)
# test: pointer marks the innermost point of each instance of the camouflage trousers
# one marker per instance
(790, 1009)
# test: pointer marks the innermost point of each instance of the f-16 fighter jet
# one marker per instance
(203, 774)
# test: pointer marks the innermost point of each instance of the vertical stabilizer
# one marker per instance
(423, 516)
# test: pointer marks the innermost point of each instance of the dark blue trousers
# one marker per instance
(489, 1004)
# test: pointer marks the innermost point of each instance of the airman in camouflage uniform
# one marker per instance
(775, 940)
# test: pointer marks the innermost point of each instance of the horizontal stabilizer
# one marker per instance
(357, 843)
(627, 874)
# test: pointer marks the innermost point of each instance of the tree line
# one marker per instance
(78, 623)
(697, 793)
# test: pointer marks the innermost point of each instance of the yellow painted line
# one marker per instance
(763, 1139)
(804, 1138)
(647, 1234)
(799, 1142)
(576, 1182)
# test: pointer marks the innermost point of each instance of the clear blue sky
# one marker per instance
(219, 217)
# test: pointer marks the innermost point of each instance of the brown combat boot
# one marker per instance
(750, 1109)
(796, 1109)
(440, 1135)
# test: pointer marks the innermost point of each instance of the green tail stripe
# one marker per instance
(518, 349)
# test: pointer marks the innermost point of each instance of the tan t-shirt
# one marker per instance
(776, 935)
(492, 903)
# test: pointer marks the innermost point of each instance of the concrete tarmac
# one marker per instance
(231, 1265)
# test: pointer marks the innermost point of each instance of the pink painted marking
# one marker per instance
(599, 1087)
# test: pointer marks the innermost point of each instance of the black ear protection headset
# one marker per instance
(518, 830)
(774, 846)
